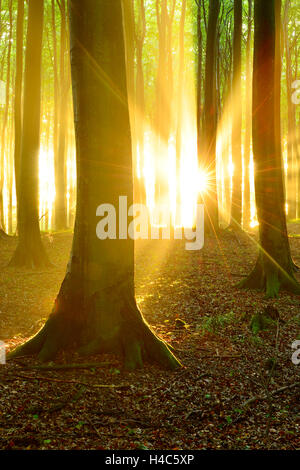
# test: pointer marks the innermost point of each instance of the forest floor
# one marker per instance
(205, 405)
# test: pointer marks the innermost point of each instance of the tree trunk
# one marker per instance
(164, 96)
(140, 102)
(95, 308)
(56, 108)
(236, 204)
(248, 130)
(5, 117)
(210, 119)
(60, 161)
(274, 267)
(199, 81)
(180, 99)
(18, 96)
(291, 134)
(30, 251)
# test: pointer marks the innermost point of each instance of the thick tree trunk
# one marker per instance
(274, 267)
(210, 119)
(95, 308)
(30, 251)
(236, 204)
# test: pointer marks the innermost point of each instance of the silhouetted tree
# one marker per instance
(274, 267)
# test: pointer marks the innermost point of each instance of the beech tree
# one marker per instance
(5, 118)
(95, 309)
(30, 250)
(210, 117)
(236, 205)
(248, 128)
(274, 268)
(18, 91)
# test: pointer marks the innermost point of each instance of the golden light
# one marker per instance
(203, 181)
(46, 186)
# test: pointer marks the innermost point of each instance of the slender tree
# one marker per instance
(274, 267)
(180, 99)
(95, 307)
(18, 93)
(56, 101)
(236, 205)
(30, 250)
(210, 118)
(139, 38)
(248, 127)
(199, 79)
(164, 94)
(292, 146)
(5, 115)
(60, 161)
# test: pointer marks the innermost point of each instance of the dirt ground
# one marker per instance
(237, 389)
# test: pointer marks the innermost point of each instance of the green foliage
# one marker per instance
(216, 323)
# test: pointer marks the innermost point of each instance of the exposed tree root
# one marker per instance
(32, 258)
(270, 278)
(5, 236)
(113, 323)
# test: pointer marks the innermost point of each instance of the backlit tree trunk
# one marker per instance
(140, 99)
(30, 251)
(164, 96)
(60, 161)
(18, 92)
(210, 118)
(4, 145)
(95, 308)
(274, 267)
(236, 204)
(199, 80)
(180, 99)
(292, 129)
(248, 126)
